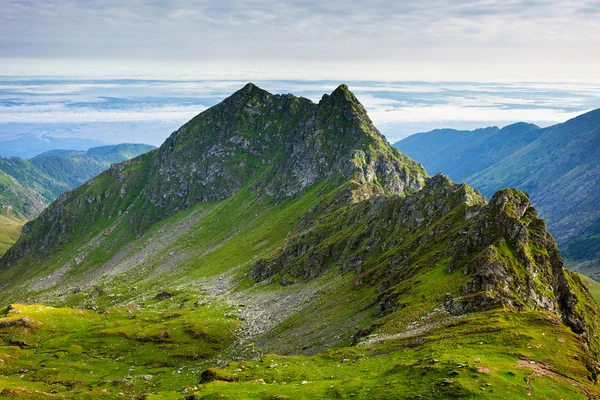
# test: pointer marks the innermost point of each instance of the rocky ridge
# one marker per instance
(276, 145)
(502, 248)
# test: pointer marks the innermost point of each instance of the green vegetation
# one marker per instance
(592, 285)
(557, 166)
(27, 186)
(165, 347)
(17, 203)
(48, 175)
(159, 345)
(9, 233)
(492, 355)
(276, 248)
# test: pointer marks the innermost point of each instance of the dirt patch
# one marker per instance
(483, 370)
(411, 331)
(539, 370)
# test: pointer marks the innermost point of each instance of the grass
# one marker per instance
(142, 301)
(155, 346)
(592, 285)
(175, 347)
(493, 355)
(110, 338)
(9, 233)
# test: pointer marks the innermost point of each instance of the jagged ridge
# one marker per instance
(277, 144)
(502, 248)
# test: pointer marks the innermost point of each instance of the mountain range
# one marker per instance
(558, 166)
(30, 145)
(27, 186)
(274, 247)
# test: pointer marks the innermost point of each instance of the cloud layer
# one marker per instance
(530, 37)
(148, 111)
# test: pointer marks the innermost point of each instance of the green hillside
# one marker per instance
(28, 186)
(558, 166)
(278, 248)
(10, 230)
(593, 287)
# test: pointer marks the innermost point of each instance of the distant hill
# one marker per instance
(28, 186)
(27, 146)
(558, 166)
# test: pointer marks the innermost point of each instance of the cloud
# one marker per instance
(447, 36)
(450, 115)
(133, 108)
(57, 113)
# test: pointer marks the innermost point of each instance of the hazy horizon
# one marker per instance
(108, 111)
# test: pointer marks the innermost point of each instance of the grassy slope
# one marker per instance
(110, 329)
(592, 285)
(157, 345)
(40, 180)
(161, 348)
(15, 203)
(493, 355)
(86, 352)
(53, 173)
(9, 233)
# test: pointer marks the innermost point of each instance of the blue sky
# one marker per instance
(117, 71)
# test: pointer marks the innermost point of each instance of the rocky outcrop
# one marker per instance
(514, 261)
(376, 238)
(278, 144)
(501, 246)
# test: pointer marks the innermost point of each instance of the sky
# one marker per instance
(458, 39)
(136, 70)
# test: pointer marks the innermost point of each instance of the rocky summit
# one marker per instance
(274, 247)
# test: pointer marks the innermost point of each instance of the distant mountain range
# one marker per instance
(27, 146)
(558, 166)
(28, 186)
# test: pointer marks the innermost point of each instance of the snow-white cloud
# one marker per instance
(397, 108)
(57, 113)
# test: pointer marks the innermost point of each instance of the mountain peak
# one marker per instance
(341, 94)
(250, 87)
(343, 88)
(246, 93)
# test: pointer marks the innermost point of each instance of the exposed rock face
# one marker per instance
(380, 235)
(274, 145)
(279, 143)
(514, 261)
(502, 247)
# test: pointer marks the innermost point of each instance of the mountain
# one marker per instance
(16, 203)
(558, 166)
(460, 154)
(29, 145)
(274, 247)
(28, 186)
